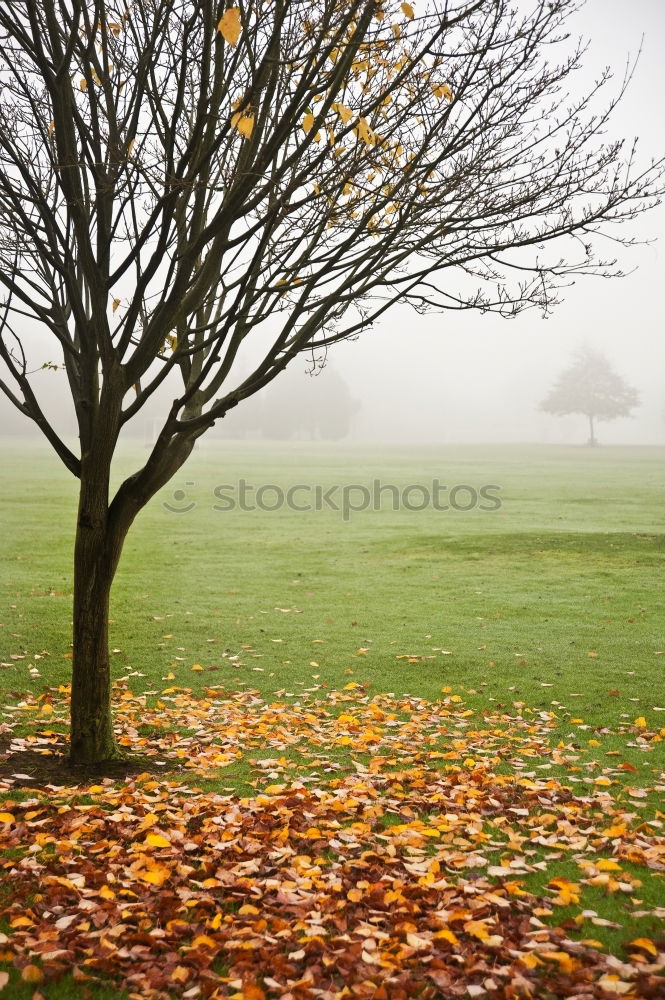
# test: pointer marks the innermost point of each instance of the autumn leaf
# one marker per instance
(344, 113)
(229, 25)
(442, 90)
(155, 875)
(307, 856)
(243, 123)
(156, 840)
(607, 865)
(252, 992)
(646, 944)
(407, 10)
(32, 974)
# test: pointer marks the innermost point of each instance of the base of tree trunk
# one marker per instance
(92, 740)
(94, 758)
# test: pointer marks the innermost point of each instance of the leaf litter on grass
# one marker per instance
(387, 849)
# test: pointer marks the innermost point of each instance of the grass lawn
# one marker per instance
(512, 656)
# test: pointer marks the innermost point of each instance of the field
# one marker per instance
(440, 660)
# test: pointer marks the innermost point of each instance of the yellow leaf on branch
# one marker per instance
(364, 132)
(407, 10)
(243, 123)
(229, 25)
(344, 113)
(442, 90)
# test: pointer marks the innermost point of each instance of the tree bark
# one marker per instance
(96, 553)
(592, 436)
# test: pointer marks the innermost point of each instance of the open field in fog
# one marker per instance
(517, 597)
(506, 659)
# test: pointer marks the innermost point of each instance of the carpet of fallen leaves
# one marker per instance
(382, 853)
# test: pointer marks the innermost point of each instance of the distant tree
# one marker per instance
(185, 183)
(590, 386)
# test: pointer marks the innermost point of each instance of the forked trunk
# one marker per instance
(95, 559)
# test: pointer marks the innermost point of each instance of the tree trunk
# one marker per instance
(592, 436)
(96, 554)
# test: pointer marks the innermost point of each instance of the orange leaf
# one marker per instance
(443, 90)
(646, 944)
(567, 963)
(153, 876)
(229, 25)
(447, 935)
(252, 992)
(203, 941)
(245, 125)
(156, 840)
(32, 974)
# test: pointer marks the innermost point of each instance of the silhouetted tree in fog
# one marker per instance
(590, 386)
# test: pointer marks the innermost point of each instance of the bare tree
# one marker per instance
(591, 387)
(181, 177)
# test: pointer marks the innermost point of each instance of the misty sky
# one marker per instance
(464, 377)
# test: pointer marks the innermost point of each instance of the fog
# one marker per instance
(463, 377)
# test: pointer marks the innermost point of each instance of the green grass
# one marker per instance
(518, 597)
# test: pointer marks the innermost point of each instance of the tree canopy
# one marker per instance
(590, 386)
